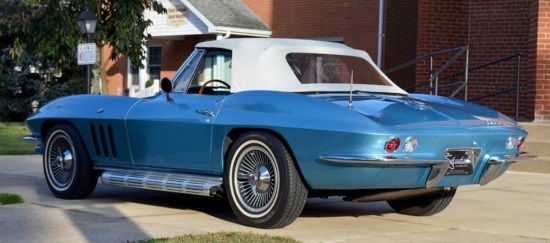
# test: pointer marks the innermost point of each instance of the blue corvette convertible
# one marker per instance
(270, 122)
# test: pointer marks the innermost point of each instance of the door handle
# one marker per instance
(207, 112)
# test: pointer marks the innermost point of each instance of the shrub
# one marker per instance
(29, 84)
(149, 83)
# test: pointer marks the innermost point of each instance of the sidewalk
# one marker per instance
(514, 208)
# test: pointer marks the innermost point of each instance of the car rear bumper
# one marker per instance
(497, 165)
(438, 167)
(494, 167)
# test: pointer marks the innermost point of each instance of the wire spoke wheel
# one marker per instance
(263, 187)
(67, 167)
(257, 179)
(60, 166)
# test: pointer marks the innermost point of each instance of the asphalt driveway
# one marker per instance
(514, 208)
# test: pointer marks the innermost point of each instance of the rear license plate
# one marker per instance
(461, 162)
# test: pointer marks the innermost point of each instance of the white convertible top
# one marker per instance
(260, 64)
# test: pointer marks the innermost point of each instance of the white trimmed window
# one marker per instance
(154, 62)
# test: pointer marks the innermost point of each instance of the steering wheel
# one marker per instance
(211, 81)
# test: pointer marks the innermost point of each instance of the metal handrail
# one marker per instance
(445, 85)
(493, 94)
(434, 76)
(502, 59)
(506, 58)
(417, 60)
(463, 84)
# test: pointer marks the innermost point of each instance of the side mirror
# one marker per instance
(166, 86)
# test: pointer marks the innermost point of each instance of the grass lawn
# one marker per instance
(227, 237)
(10, 139)
(10, 199)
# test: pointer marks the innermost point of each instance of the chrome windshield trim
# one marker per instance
(438, 167)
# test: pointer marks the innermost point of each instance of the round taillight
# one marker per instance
(511, 143)
(410, 145)
(521, 140)
(392, 145)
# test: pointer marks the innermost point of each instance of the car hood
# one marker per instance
(416, 111)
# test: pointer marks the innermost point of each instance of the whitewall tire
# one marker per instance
(263, 186)
(67, 166)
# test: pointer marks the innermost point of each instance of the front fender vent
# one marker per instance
(103, 140)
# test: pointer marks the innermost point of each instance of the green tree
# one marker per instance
(48, 30)
(38, 40)
(23, 87)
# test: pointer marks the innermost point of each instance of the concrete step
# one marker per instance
(540, 165)
(537, 131)
(538, 147)
(538, 142)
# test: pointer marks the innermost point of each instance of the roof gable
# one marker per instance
(196, 17)
(229, 14)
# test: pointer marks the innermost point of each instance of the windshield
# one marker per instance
(312, 68)
(183, 75)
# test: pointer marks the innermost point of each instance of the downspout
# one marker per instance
(221, 37)
(380, 33)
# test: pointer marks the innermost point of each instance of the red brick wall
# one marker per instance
(355, 21)
(441, 25)
(498, 29)
(532, 61)
(116, 75)
(492, 29)
(539, 61)
(400, 33)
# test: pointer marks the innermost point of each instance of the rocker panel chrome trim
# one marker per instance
(438, 167)
(169, 182)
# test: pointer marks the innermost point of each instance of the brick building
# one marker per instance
(414, 28)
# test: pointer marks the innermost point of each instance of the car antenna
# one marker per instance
(350, 105)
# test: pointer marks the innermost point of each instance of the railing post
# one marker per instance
(466, 69)
(431, 73)
(518, 66)
(436, 87)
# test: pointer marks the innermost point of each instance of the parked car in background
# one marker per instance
(270, 122)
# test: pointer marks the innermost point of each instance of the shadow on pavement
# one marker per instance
(219, 208)
(45, 218)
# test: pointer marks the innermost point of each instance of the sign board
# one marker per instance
(87, 54)
(177, 16)
(178, 21)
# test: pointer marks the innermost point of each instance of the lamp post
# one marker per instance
(87, 22)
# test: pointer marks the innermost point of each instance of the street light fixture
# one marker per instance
(87, 21)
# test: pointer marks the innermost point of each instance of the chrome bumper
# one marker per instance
(439, 167)
(34, 138)
(497, 166)
(30, 138)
